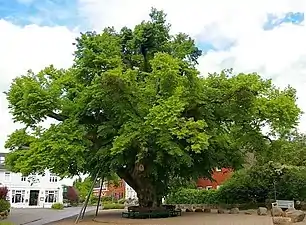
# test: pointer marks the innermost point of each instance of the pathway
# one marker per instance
(28, 216)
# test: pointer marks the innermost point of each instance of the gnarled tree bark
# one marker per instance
(147, 190)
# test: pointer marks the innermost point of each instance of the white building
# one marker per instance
(129, 192)
(32, 191)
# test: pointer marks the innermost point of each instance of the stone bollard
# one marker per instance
(262, 211)
(282, 221)
(234, 211)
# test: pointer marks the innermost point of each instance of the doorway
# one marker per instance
(34, 197)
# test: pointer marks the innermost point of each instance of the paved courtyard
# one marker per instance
(114, 218)
(41, 216)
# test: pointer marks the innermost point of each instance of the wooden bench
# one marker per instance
(284, 204)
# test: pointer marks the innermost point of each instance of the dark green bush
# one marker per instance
(58, 206)
(4, 205)
(112, 206)
(256, 184)
(250, 188)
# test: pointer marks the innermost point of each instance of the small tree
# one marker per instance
(72, 195)
(3, 192)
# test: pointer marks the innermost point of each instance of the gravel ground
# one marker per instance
(114, 218)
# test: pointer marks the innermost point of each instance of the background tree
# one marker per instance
(72, 196)
(288, 150)
(133, 103)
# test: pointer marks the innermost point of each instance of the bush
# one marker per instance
(72, 195)
(106, 199)
(113, 206)
(250, 188)
(58, 206)
(256, 184)
(121, 201)
(3, 192)
(193, 196)
(4, 205)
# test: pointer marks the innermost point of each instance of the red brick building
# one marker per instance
(108, 189)
(219, 176)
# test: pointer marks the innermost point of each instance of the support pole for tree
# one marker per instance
(83, 209)
(100, 193)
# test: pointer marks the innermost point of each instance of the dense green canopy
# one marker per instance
(134, 103)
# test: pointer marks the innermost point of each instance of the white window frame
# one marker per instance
(16, 193)
(54, 194)
(209, 188)
(53, 178)
(23, 178)
(2, 160)
(7, 176)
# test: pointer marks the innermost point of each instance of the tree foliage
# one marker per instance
(133, 103)
(261, 182)
(288, 150)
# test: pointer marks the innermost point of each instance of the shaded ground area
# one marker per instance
(41, 216)
(114, 218)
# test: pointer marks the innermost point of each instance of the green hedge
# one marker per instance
(113, 206)
(193, 196)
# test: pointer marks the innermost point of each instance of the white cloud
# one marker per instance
(30, 47)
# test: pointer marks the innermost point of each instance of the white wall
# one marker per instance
(129, 192)
(22, 188)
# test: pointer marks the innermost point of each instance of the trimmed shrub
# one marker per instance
(4, 205)
(113, 206)
(57, 206)
(193, 196)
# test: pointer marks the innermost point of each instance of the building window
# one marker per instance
(18, 196)
(208, 187)
(51, 196)
(23, 178)
(218, 169)
(53, 177)
(7, 176)
(2, 160)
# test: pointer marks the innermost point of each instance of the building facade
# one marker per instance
(34, 191)
(219, 176)
(130, 193)
(111, 190)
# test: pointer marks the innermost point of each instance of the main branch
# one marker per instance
(56, 116)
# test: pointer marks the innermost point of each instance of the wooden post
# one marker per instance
(83, 209)
(100, 193)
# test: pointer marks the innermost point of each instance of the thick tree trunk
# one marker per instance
(146, 188)
(148, 197)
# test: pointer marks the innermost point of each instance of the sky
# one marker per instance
(268, 37)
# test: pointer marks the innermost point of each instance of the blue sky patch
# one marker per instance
(290, 17)
(41, 12)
